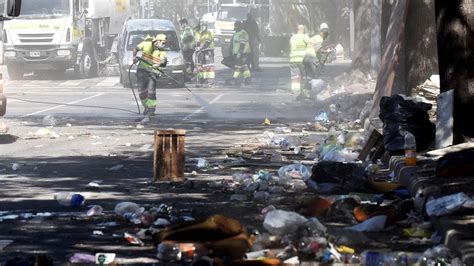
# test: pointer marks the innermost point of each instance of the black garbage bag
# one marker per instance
(457, 164)
(229, 61)
(396, 113)
(346, 177)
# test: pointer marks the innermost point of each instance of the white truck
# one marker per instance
(55, 35)
(8, 10)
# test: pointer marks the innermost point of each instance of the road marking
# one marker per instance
(107, 82)
(71, 83)
(218, 97)
(63, 105)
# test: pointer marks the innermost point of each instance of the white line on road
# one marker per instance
(63, 105)
(107, 82)
(71, 83)
(218, 97)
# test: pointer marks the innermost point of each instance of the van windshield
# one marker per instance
(136, 37)
(35, 9)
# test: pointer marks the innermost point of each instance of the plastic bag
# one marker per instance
(294, 171)
(396, 113)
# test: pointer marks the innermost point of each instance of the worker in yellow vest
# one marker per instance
(241, 53)
(298, 46)
(315, 51)
(205, 55)
(153, 58)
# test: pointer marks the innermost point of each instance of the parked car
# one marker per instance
(134, 32)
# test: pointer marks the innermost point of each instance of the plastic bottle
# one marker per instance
(410, 149)
(70, 199)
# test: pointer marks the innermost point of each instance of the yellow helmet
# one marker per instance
(160, 37)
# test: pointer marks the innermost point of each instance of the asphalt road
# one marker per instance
(87, 141)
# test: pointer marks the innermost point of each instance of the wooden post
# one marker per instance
(169, 155)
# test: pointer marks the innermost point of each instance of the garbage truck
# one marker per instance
(8, 10)
(279, 21)
(55, 35)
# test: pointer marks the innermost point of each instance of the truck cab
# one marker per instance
(54, 35)
(8, 10)
(227, 15)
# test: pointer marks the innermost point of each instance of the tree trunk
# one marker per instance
(421, 55)
(455, 26)
(361, 60)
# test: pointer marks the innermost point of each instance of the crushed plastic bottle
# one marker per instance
(16, 167)
(202, 163)
(95, 210)
(49, 121)
(322, 116)
(70, 199)
(281, 222)
(128, 207)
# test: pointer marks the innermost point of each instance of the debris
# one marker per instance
(49, 121)
(160, 222)
(374, 224)
(294, 171)
(46, 133)
(417, 232)
(105, 258)
(202, 163)
(238, 197)
(133, 240)
(116, 167)
(449, 204)
(261, 196)
(279, 222)
(4, 244)
(94, 184)
(3, 128)
(257, 254)
(128, 207)
(97, 233)
(70, 199)
(82, 258)
(16, 167)
(95, 210)
(322, 116)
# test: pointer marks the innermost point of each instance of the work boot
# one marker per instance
(146, 111)
(145, 120)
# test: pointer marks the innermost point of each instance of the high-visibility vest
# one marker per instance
(315, 45)
(150, 55)
(206, 36)
(241, 37)
(188, 39)
(298, 45)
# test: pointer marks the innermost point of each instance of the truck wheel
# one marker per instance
(87, 68)
(15, 72)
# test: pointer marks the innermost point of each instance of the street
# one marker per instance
(97, 128)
